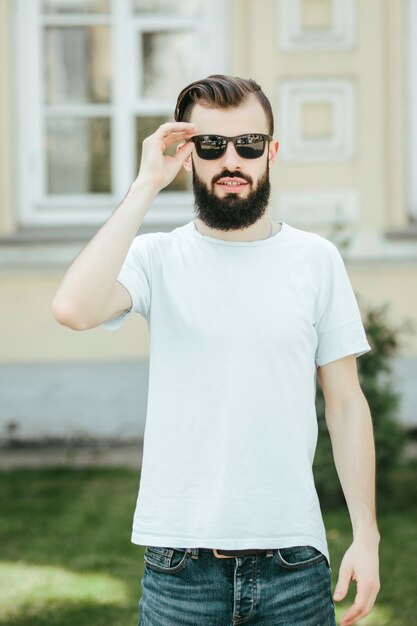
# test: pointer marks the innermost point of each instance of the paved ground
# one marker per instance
(105, 455)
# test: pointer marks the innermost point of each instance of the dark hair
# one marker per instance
(220, 91)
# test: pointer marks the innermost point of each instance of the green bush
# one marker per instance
(375, 377)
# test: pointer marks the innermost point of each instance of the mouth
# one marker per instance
(232, 185)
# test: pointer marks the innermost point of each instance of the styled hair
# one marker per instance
(222, 92)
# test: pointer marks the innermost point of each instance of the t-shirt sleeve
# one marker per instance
(338, 323)
(135, 276)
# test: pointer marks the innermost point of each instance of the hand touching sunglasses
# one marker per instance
(250, 146)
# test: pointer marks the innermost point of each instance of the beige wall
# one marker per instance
(30, 334)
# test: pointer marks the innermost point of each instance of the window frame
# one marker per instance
(34, 206)
(411, 106)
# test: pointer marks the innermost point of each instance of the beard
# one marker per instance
(230, 212)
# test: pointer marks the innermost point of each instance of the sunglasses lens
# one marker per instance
(250, 146)
(210, 146)
(214, 146)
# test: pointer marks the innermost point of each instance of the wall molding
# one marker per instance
(340, 94)
(294, 37)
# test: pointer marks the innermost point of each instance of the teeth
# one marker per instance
(232, 184)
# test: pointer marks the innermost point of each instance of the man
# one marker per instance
(243, 314)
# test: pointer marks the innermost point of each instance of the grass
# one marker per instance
(66, 556)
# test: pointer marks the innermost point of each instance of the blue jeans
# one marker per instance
(191, 587)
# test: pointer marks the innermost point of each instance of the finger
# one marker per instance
(373, 597)
(342, 585)
(171, 127)
(354, 613)
(175, 137)
(359, 606)
(184, 151)
(370, 603)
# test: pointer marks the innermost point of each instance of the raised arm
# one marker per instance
(89, 293)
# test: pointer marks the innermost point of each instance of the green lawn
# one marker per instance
(66, 556)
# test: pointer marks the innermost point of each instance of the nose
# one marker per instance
(231, 160)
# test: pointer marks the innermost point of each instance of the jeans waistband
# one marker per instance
(235, 553)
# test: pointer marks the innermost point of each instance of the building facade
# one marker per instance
(83, 82)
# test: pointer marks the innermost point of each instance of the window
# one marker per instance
(411, 118)
(95, 77)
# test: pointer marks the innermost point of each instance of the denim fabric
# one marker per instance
(191, 587)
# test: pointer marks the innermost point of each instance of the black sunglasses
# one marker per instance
(250, 146)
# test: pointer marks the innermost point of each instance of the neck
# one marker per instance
(262, 229)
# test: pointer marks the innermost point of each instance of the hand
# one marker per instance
(156, 168)
(360, 563)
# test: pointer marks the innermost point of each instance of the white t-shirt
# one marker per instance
(237, 330)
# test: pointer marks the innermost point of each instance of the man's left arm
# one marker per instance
(349, 422)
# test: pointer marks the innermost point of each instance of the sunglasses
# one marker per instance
(250, 146)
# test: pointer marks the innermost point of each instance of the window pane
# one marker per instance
(173, 7)
(147, 125)
(78, 155)
(77, 64)
(75, 6)
(169, 62)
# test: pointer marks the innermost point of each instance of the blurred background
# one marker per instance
(82, 83)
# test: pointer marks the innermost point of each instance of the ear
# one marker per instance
(187, 163)
(273, 152)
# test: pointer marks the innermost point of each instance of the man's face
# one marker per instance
(219, 205)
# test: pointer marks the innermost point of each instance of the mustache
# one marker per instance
(227, 174)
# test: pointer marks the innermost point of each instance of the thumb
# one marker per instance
(342, 584)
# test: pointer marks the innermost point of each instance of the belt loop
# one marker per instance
(194, 552)
(270, 552)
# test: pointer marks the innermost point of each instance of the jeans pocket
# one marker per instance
(168, 560)
(298, 557)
